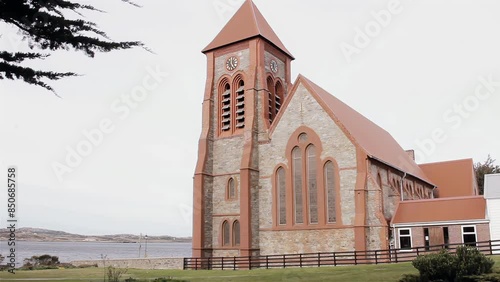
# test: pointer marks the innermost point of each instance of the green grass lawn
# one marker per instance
(381, 272)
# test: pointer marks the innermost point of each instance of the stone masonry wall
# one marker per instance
(142, 263)
(306, 241)
(335, 145)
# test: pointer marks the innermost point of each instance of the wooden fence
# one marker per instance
(328, 258)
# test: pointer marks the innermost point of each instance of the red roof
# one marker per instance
(247, 23)
(441, 209)
(453, 178)
(375, 141)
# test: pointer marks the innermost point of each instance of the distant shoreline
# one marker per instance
(110, 241)
(45, 235)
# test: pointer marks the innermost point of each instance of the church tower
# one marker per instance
(248, 76)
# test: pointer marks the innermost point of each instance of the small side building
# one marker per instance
(457, 214)
(442, 221)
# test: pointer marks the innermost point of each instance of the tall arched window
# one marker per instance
(225, 106)
(278, 97)
(226, 239)
(240, 105)
(329, 173)
(281, 191)
(312, 185)
(236, 233)
(297, 184)
(270, 99)
(231, 189)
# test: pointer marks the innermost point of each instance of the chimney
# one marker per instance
(411, 153)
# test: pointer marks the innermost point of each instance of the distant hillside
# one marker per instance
(44, 235)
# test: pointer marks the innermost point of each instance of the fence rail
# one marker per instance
(328, 258)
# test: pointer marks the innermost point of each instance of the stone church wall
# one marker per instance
(304, 110)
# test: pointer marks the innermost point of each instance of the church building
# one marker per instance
(284, 166)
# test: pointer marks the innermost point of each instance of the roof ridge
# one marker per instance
(449, 161)
(254, 16)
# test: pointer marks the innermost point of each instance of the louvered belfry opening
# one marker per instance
(270, 99)
(225, 107)
(240, 105)
(275, 96)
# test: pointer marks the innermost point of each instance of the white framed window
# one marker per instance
(405, 239)
(469, 235)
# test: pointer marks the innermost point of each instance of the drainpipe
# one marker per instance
(396, 240)
(401, 188)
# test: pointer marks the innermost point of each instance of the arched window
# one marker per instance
(312, 185)
(240, 105)
(225, 106)
(236, 233)
(329, 173)
(270, 99)
(281, 191)
(231, 189)
(297, 184)
(278, 98)
(226, 239)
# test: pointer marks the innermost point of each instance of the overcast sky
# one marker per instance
(426, 71)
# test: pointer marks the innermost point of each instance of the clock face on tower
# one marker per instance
(231, 63)
(274, 66)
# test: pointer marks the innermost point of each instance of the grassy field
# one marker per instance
(381, 272)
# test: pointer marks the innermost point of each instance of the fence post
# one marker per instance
(250, 262)
(267, 262)
(234, 263)
(196, 264)
(222, 263)
(355, 258)
(319, 259)
(396, 255)
(210, 263)
(334, 259)
(300, 260)
(417, 251)
(376, 260)
(491, 247)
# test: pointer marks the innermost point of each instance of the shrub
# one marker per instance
(443, 266)
(472, 262)
(41, 262)
(440, 266)
(114, 274)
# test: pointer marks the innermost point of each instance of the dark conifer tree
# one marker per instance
(45, 25)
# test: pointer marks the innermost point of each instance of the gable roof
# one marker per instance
(441, 209)
(375, 141)
(247, 23)
(453, 178)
